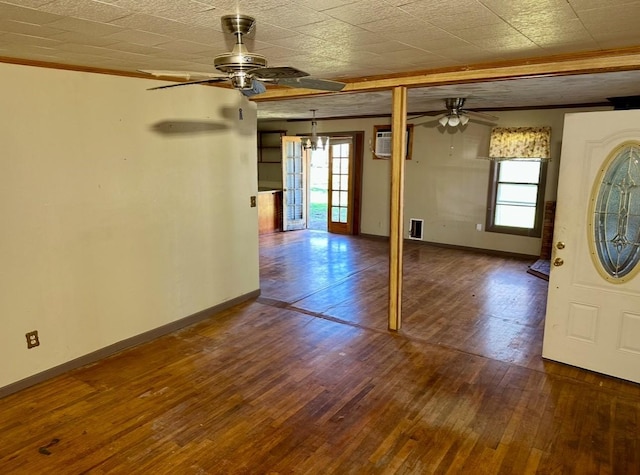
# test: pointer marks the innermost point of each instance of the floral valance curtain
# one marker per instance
(525, 143)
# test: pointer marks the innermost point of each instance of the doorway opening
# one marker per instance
(336, 180)
(318, 190)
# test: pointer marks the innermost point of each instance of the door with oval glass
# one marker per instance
(593, 305)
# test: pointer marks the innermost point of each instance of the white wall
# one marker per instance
(122, 210)
(445, 183)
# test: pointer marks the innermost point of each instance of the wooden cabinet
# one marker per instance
(270, 146)
(269, 211)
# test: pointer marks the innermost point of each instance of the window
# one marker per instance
(516, 183)
(516, 197)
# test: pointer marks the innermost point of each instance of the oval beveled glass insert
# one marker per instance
(616, 214)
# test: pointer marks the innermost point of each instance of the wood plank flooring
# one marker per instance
(306, 379)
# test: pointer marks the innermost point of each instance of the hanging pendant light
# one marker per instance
(313, 141)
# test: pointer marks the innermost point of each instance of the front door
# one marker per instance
(294, 179)
(593, 306)
(340, 209)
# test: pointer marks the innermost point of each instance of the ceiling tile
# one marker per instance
(389, 46)
(84, 39)
(612, 19)
(78, 25)
(26, 15)
(134, 48)
(338, 31)
(87, 10)
(399, 23)
(138, 37)
(29, 3)
(466, 54)
(466, 15)
(30, 29)
(184, 46)
(324, 5)
(362, 11)
(530, 9)
(507, 43)
(496, 30)
(267, 32)
(292, 17)
(18, 39)
(580, 5)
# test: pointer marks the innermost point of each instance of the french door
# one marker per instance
(340, 200)
(294, 181)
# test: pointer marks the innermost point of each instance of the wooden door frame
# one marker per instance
(357, 142)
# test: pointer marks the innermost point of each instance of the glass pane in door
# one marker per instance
(339, 187)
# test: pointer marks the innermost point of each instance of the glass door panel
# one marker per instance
(294, 213)
(340, 158)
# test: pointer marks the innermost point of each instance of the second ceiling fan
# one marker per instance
(456, 116)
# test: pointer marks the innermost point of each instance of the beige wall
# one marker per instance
(446, 184)
(122, 210)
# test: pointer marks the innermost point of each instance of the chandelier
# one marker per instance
(313, 141)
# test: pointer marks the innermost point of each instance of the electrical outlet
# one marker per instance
(32, 339)
(253, 201)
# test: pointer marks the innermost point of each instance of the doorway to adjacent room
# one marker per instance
(318, 190)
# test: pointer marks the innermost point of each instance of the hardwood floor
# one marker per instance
(306, 379)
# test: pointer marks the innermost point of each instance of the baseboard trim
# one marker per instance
(136, 340)
(375, 237)
(493, 252)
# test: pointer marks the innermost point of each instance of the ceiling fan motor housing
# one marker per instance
(455, 104)
(238, 61)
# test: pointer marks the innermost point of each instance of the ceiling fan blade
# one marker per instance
(481, 115)
(187, 75)
(202, 81)
(425, 114)
(278, 73)
(312, 83)
(429, 122)
(483, 121)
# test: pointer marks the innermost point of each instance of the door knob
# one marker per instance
(560, 245)
(558, 262)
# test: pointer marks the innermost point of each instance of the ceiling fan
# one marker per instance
(246, 71)
(455, 115)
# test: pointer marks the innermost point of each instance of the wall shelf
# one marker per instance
(270, 146)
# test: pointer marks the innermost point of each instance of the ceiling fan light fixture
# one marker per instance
(454, 120)
(444, 120)
(464, 119)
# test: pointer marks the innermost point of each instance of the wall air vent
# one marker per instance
(415, 228)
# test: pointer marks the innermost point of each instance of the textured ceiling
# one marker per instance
(337, 39)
